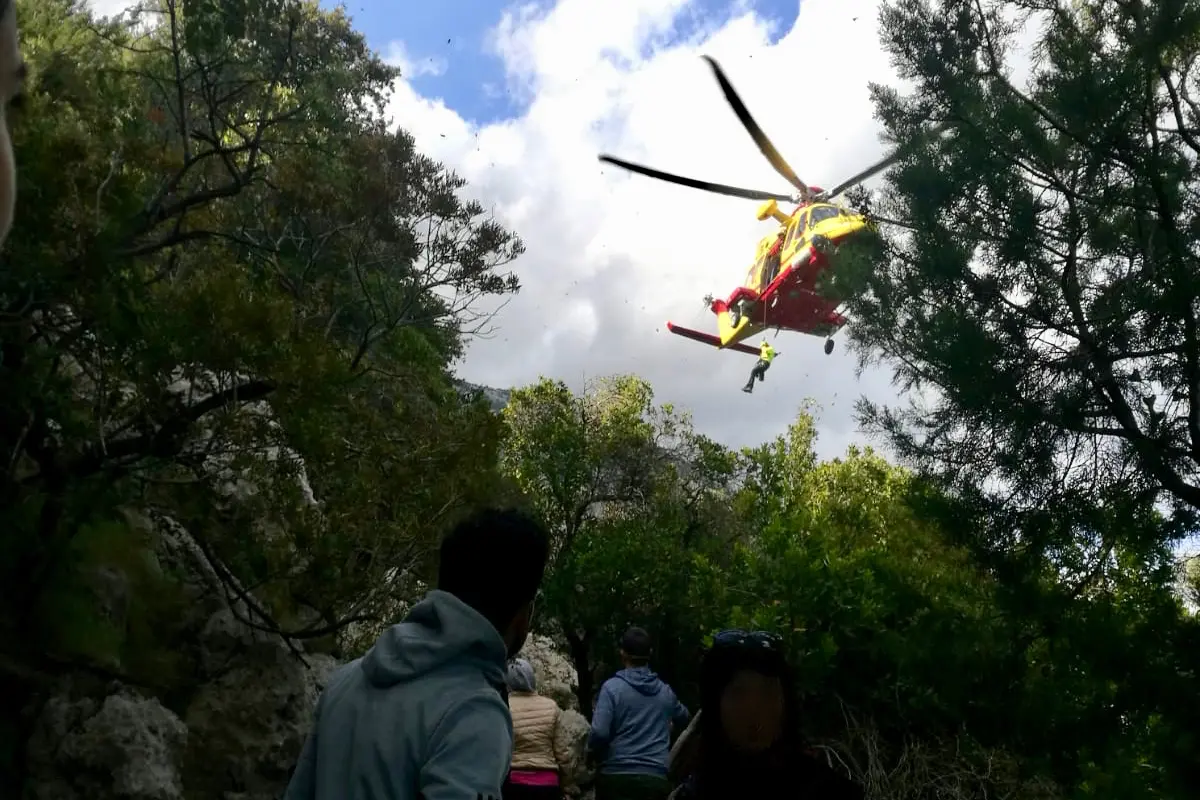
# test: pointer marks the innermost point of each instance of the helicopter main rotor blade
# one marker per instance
(717, 188)
(878, 167)
(756, 133)
(869, 172)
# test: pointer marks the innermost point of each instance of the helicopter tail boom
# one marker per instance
(709, 339)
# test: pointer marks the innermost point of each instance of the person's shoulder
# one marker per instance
(345, 685)
(444, 697)
(666, 695)
(612, 684)
(478, 709)
(547, 703)
(531, 702)
(350, 671)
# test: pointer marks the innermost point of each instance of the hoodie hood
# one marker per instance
(644, 679)
(438, 630)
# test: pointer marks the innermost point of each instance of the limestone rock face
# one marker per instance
(574, 727)
(556, 677)
(252, 720)
(123, 747)
(234, 713)
(231, 724)
(239, 732)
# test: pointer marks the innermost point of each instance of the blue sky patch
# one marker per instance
(447, 42)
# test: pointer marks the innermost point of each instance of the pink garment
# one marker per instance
(533, 777)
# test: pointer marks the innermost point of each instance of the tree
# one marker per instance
(1191, 581)
(1046, 289)
(1042, 306)
(918, 668)
(214, 217)
(891, 629)
(630, 493)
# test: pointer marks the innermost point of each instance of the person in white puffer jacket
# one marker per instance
(540, 753)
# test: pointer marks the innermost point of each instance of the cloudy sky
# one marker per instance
(520, 99)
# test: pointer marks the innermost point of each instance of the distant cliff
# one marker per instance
(496, 398)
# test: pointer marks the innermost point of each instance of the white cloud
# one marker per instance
(610, 256)
(110, 8)
(397, 55)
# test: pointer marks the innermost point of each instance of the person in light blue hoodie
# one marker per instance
(631, 727)
(424, 714)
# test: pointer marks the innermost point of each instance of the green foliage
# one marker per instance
(214, 217)
(109, 603)
(1191, 581)
(1046, 292)
(924, 659)
(877, 608)
(78, 624)
(631, 494)
(1043, 304)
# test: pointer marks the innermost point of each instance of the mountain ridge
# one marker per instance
(497, 399)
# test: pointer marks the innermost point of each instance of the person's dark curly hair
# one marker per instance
(494, 561)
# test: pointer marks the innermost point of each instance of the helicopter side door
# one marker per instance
(795, 238)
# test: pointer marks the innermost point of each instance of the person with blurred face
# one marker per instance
(12, 79)
(745, 740)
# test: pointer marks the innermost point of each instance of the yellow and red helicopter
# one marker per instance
(782, 289)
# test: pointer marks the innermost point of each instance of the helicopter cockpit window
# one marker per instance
(794, 232)
(822, 213)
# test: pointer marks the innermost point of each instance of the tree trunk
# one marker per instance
(667, 655)
(579, 645)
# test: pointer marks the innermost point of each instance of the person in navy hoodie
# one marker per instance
(631, 727)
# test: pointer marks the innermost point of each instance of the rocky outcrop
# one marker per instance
(236, 734)
(121, 746)
(496, 399)
(238, 738)
(231, 721)
(556, 677)
(253, 713)
(233, 726)
(573, 727)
